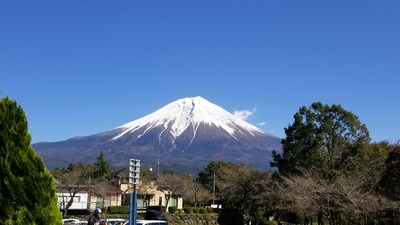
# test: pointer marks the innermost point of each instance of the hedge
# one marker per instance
(118, 209)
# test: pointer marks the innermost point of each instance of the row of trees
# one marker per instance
(305, 196)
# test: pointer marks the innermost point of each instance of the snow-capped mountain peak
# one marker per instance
(189, 113)
(189, 132)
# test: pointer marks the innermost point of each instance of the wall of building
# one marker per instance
(81, 200)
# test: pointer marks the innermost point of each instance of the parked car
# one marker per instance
(68, 221)
(154, 215)
(149, 222)
(115, 221)
(77, 223)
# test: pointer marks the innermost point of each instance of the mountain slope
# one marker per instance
(189, 132)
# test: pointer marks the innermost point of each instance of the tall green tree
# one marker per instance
(27, 191)
(101, 167)
(322, 138)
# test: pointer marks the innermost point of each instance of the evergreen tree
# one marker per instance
(327, 139)
(27, 191)
(101, 167)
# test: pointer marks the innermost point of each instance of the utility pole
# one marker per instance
(158, 163)
(214, 189)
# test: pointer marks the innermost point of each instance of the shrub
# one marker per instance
(172, 209)
(187, 209)
(196, 210)
(203, 210)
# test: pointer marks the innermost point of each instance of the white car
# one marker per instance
(69, 221)
(115, 221)
(79, 222)
(149, 222)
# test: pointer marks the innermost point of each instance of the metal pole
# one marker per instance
(158, 163)
(130, 208)
(158, 167)
(214, 190)
(134, 205)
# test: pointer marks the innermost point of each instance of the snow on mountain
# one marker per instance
(189, 113)
(187, 132)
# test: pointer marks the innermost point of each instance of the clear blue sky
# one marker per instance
(82, 67)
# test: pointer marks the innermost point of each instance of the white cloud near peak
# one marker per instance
(244, 114)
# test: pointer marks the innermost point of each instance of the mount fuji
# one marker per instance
(187, 133)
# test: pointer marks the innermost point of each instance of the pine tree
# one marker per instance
(101, 167)
(27, 191)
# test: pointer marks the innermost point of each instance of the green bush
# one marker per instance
(172, 209)
(203, 210)
(196, 210)
(118, 209)
(187, 209)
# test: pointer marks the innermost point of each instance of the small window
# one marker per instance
(124, 180)
(77, 199)
(174, 202)
(160, 201)
(103, 202)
